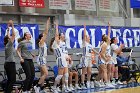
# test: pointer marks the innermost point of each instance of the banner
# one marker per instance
(60, 4)
(74, 35)
(109, 5)
(32, 3)
(135, 3)
(85, 5)
(6, 2)
(33, 29)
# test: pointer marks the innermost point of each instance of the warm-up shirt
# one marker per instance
(26, 48)
(9, 52)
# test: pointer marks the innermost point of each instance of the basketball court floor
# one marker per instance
(129, 88)
(124, 90)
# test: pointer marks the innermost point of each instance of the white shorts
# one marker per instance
(114, 60)
(110, 61)
(86, 61)
(41, 61)
(61, 62)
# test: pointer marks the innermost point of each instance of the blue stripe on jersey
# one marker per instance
(57, 52)
(40, 61)
(84, 51)
(42, 51)
(60, 63)
(83, 62)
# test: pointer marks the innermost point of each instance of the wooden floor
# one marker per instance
(124, 90)
(121, 90)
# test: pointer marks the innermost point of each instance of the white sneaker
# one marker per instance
(109, 85)
(113, 83)
(43, 91)
(119, 82)
(67, 90)
(58, 89)
(92, 84)
(71, 88)
(102, 84)
(77, 87)
(83, 87)
(54, 89)
(88, 84)
(37, 89)
(63, 88)
(97, 84)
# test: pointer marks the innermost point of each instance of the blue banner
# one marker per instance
(33, 29)
(74, 35)
(135, 3)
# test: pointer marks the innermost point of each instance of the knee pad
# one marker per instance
(66, 75)
(58, 77)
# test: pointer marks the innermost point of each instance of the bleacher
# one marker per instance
(75, 53)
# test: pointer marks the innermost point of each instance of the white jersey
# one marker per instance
(41, 60)
(86, 60)
(57, 50)
(114, 55)
(43, 50)
(114, 47)
(108, 50)
(63, 47)
(87, 49)
(61, 57)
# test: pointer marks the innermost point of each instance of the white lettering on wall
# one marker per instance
(67, 37)
(136, 37)
(125, 37)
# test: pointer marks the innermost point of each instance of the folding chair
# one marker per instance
(37, 75)
(133, 68)
(79, 70)
(95, 72)
(19, 81)
(3, 81)
(134, 71)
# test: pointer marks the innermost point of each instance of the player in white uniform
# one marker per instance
(115, 51)
(70, 63)
(63, 46)
(105, 60)
(86, 60)
(41, 60)
(110, 62)
(60, 60)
